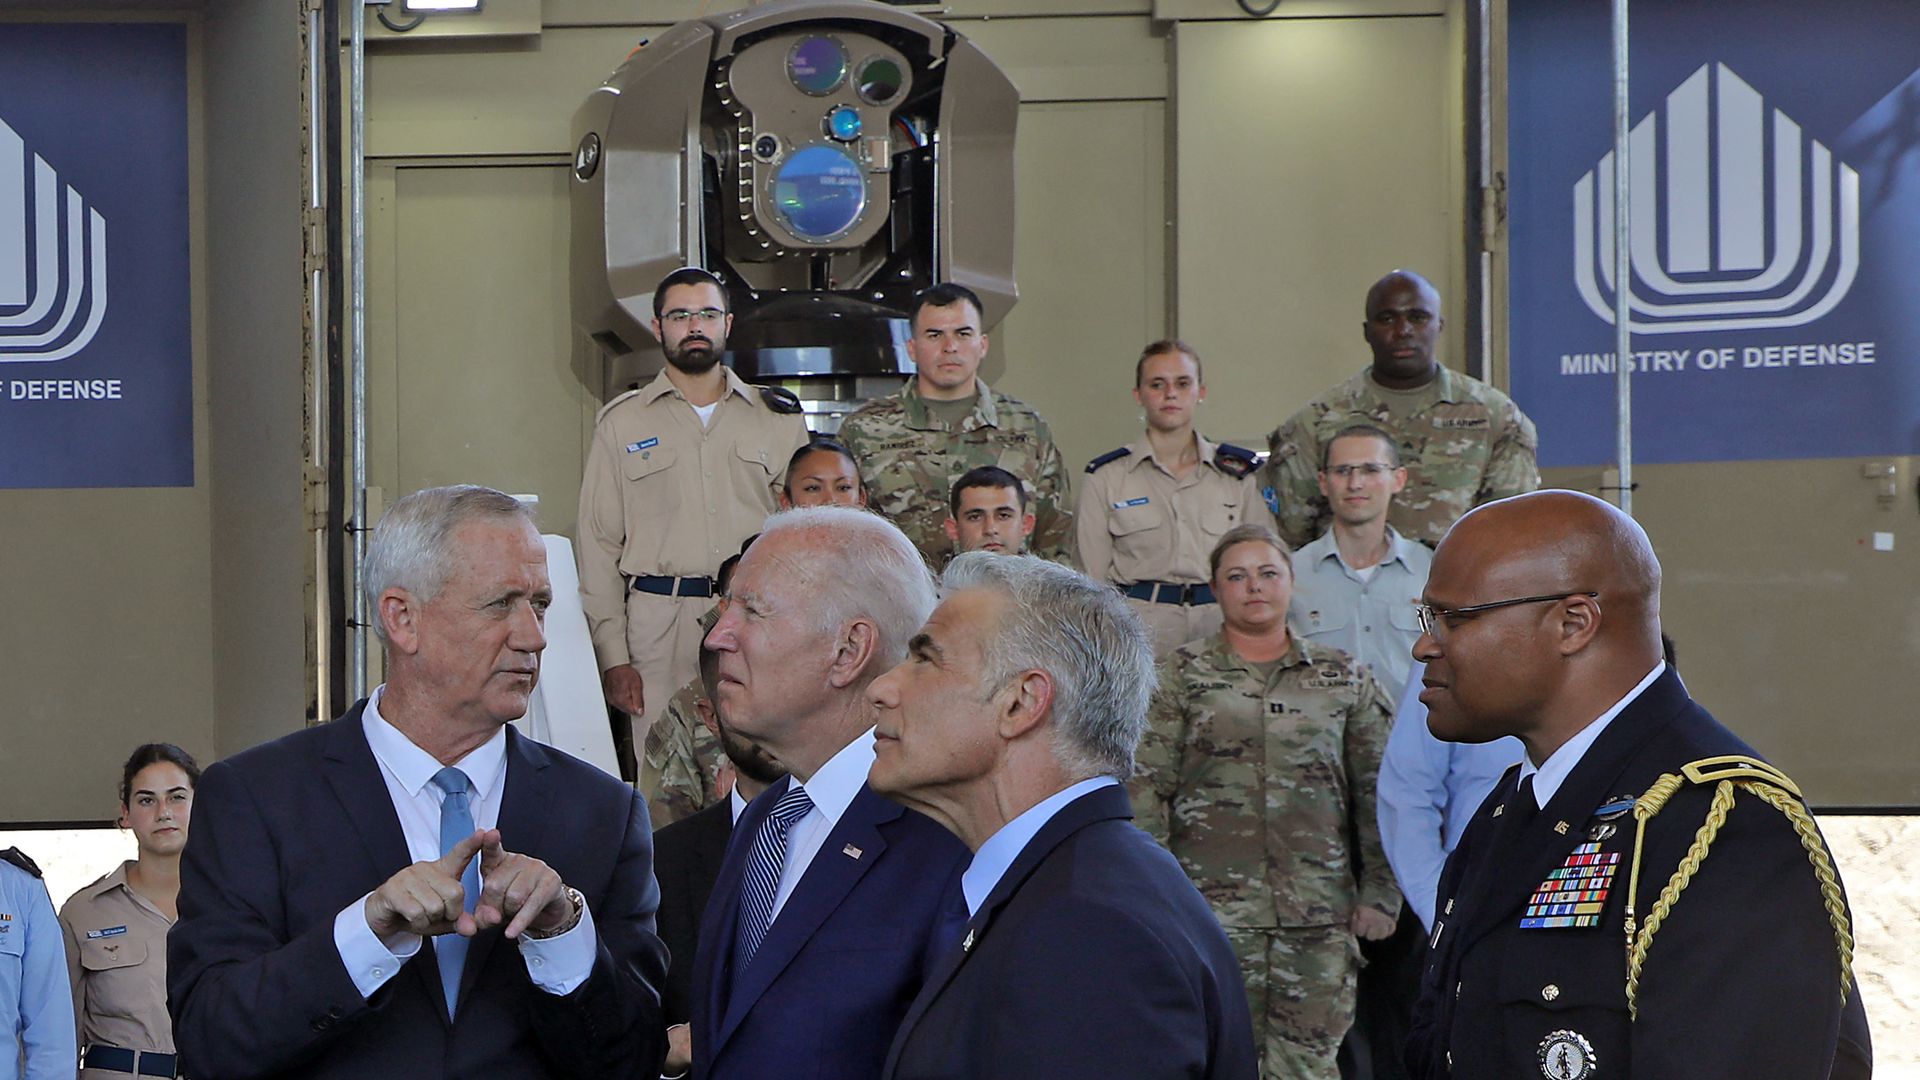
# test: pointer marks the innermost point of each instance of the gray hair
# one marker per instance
(867, 567)
(1080, 632)
(410, 547)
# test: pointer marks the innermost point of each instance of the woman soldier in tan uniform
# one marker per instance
(1150, 511)
(116, 928)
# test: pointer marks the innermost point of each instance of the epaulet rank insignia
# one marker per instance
(1235, 461)
(19, 858)
(617, 399)
(1106, 458)
(1728, 775)
(780, 400)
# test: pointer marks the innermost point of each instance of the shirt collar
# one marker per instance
(1142, 451)
(662, 386)
(1327, 547)
(735, 803)
(996, 856)
(115, 880)
(919, 418)
(1554, 771)
(833, 786)
(415, 768)
(1299, 651)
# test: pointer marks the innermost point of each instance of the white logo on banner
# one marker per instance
(1717, 218)
(31, 331)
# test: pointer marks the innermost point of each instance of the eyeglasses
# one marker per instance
(681, 317)
(1368, 469)
(1430, 617)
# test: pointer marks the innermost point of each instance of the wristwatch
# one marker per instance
(579, 905)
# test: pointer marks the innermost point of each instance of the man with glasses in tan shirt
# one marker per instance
(680, 471)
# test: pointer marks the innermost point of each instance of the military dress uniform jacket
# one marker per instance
(910, 459)
(1464, 444)
(663, 495)
(1740, 980)
(1264, 788)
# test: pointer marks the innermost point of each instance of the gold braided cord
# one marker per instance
(1640, 941)
(1682, 876)
(1830, 894)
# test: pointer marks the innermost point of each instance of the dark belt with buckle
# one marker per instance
(136, 1062)
(1166, 592)
(673, 586)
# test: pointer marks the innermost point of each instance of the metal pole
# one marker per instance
(357, 357)
(1622, 286)
(318, 32)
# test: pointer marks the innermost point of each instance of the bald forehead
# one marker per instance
(1411, 285)
(1550, 540)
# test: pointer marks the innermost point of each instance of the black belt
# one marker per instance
(137, 1062)
(673, 586)
(1166, 592)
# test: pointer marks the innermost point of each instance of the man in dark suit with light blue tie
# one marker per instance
(1088, 954)
(833, 903)
(415, 889)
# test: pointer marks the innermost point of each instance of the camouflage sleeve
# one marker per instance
(1156, 763)
(1513, 466)
(853, 435)
(1291, 474)
(677, 768)
(1053, 520)
(1369, 722)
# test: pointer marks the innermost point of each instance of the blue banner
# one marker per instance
(96, 350)
(1774, 171)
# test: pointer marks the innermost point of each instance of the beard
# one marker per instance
(688, 357)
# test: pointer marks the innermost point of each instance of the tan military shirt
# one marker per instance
(1136, 522)
(117, 960)
(910, 459)
(1260, 783)
(665, 495)
(1463, 443)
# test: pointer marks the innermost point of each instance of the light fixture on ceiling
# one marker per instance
(440, 5)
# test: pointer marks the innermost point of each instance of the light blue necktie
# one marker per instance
(761, 882)
(456, 824)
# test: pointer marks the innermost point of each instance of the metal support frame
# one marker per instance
(1622, 285)
(357, 355)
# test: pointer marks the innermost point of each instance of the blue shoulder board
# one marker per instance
(1234, 460)
(1111, 455)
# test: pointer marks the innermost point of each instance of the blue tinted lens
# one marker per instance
(820, 192)
(816, 65)
(843, 123)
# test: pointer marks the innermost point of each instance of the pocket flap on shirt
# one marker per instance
(108, 953)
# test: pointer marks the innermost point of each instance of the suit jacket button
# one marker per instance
(1549, 992)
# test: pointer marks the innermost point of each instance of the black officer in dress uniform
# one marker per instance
(1643, 895)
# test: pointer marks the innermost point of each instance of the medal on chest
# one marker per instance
(1574, 894)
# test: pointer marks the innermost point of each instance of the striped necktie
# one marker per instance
(761, 882)
(456, 824)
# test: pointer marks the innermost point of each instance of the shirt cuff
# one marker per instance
(369, 961)
(559, 964)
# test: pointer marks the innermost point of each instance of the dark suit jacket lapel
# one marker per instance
(828, 879)
(356, 780)
(1541, 848)
(715, 956)
(522, 828)
(1101, 804)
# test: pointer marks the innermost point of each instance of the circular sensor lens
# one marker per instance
(878, 81)
(843, 123)
(820, 192)
(816, 65)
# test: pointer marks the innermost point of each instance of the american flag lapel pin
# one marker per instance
(851, 852)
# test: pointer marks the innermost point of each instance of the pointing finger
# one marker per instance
(454, 862)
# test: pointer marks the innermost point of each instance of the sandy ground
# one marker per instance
(1879, 857)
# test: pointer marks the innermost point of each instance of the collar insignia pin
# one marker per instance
(967, 945)
(851, 852)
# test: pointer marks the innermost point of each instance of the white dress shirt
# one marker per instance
(1368, 613)
(1551, 773)
(832, 789)
(996, 856)
(558, 964)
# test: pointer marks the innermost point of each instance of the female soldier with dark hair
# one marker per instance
(116, 928)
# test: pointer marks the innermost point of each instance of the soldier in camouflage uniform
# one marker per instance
(914, 444)
(1463, 442)
(1257, 771)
